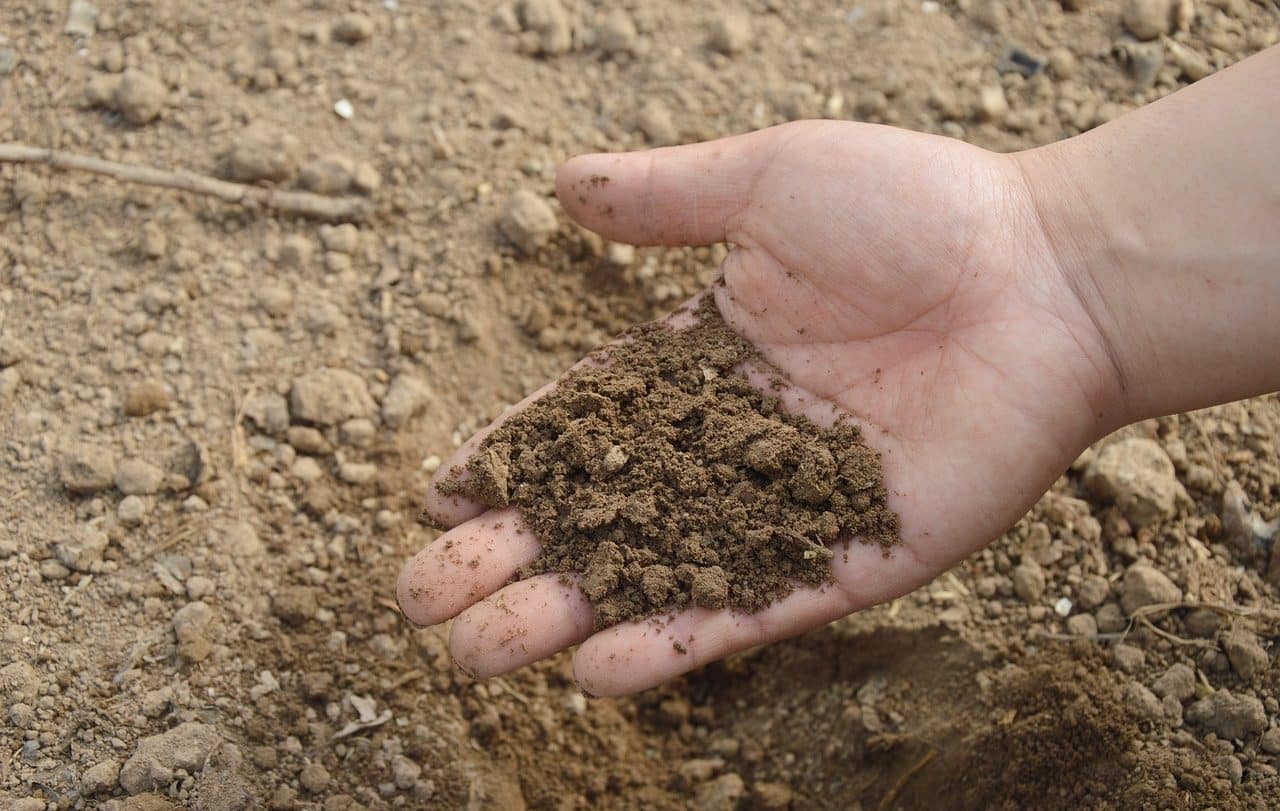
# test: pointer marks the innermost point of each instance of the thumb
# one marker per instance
(682, 195)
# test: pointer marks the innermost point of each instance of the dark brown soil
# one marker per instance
(666, 479)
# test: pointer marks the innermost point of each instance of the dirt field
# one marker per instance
(202, 520)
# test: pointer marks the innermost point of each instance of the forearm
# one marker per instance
(1167, 222)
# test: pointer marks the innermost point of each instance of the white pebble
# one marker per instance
(131, 511)
(344, 109)
(1062, 607)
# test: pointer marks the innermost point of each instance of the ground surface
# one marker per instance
(202, 521)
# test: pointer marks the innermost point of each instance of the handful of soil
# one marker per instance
(667, 480)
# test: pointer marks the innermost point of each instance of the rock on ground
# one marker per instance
(144, 398)
(1148, 19)
(1146, 585)
(153, 761)
(263, 154)
(1138, 476)
(528, 221)
(730, 33)
(405, 398)
(83, 549)
(139, 97)
(100, 777)
(138, 478)
(548, 20)
(1247, 656)
(330, 396)
(1228, 715)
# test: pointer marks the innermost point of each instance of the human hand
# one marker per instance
(906, 279)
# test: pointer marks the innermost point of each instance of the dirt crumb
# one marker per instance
(667, 480)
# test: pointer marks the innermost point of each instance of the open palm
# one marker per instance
(904, 278)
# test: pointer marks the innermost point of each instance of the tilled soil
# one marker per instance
(215, 424)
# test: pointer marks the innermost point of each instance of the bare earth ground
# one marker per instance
(201, 525)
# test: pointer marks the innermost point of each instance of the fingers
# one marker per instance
(635, 656)
(452, 510)
(683, 195)
(522, 623)
(464, 565)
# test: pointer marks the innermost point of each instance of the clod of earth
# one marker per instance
(666, 479)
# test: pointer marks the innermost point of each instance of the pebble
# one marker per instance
(306, 469)
(314, 778)
(772, 796)
(1228, 715)
(1178, 682)
(1270, 742)
(87, 469)
(269, 411)
(83, 549)
(1148, 19)
(136, 477)
(19, 682)
(276, 300)
(353, 27)
(153, 762)
(722, 794)
(657, 125)
(730, 33)
(617, 32)
(1143, 702)
(406, 396)
(1092, 592)
(548, 20)
(1062, 63)
(1128, 659)
(199, 587)
(305, 439)
(1082, 625)
(100, 777)
(295, 604)
(241, 539)
(528, 221)
(344, 238)
(1139, 477)
(357, 472)
(992, 104)
(404, 772)
(82, 19)
(144, 398)
(261, 153)
(138, 97)
(1192, 64)
(330, 396)
(331, 174)
(1247, 656)
(1146, 585)
(620, 255)
(296, 251)
(1028, 582)
(1203, 622)
(357, 433)
(576, 703)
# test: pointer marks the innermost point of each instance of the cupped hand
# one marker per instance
(906, 279)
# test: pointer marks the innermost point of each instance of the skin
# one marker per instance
(983, 317)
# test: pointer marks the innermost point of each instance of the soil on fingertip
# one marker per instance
(667, 479)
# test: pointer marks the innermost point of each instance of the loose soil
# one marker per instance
(184, 553)
(663, 477)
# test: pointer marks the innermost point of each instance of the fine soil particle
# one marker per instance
(664, 478)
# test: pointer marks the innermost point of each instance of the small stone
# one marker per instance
(1028, 582)
(153, 762)
(730, 33)
(241, 539)
(1270, 742)
(138, 478)
(331, 174)
(1192, 64)
(772, 796)
(1142, 702)
(28, 804)
(87, 469)
(1203, 622)
(1138, 476)
(548, 20)
(1062, 63)
(655, 122)
(1247, 656)
(1148, 19)
(992, 104)
(263, 154)
(296, 252)
(528, 221)
(306, 469)
(617, 32)
(404, 772)
(82, 19)
(100, 777)
(357, 472)
(51, 569)
(276, 300)
(1128, 659)
(154, 242)
(330, 396)
(1145, 585)
(314, 778)
(83, 549)
(353, 27)
(295, 604)
(620, 255)
(305, 439)
(1178, 682)
(1092, 592)
(145, 398)
(722, 794)
(344, 238)
(406, 396)
(199, 587)
(139, 97)
(1228, 715)
(357, 432)
(365, 178)
(1082, 625)
(19, 682)
(269, 411)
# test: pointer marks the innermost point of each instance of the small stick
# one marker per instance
(897, 788)
(302, 203)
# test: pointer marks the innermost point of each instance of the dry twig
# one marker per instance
(302, 203)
